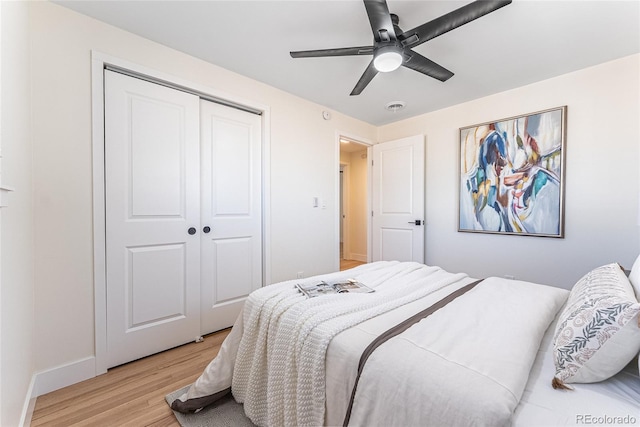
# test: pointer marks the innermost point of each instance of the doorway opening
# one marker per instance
(354, 203)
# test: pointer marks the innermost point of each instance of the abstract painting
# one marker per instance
(512, 175)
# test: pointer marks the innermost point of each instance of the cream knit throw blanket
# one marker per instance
(279, 371)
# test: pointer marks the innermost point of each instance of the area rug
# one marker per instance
(226, 412)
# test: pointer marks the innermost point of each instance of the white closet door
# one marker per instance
(398, 200)
(231, 164)
(152, 199)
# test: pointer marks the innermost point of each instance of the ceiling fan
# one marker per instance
(392, 46)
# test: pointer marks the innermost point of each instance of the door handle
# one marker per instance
(206, 229)
(191, 230)
(416, 222)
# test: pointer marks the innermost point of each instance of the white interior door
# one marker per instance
(232, 210)
(398, 200)
(152, 199)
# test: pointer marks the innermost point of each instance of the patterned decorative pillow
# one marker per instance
(597, 333)
(634, 277)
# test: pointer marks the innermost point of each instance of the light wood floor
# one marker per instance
(346, 264)
(133, 394)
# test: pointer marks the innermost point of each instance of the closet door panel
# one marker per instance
(157, 168)
(152, 199)
(233, 258)
(152, 270)
(231, 167)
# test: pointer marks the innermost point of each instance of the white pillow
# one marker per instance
(634, 277)
(597, 333)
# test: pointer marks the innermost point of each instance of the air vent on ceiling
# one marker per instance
(395, 106)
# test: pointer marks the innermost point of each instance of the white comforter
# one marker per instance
(466, 364)
(477, 349)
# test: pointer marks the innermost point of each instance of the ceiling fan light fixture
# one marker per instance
(392, 47)
(387, 59)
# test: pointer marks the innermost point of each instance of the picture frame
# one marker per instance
(511, 175)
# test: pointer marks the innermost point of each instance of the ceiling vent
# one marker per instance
(395, 106)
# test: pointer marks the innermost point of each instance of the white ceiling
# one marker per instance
(524, 42)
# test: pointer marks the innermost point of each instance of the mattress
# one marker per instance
(615, 401)
(495, 366)
(345, 350)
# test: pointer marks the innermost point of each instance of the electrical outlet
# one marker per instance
(300, 275)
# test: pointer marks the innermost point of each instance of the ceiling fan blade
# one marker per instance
(450, 21)
(380, 20)
(341, 51)
(365, 79)
(419, 63)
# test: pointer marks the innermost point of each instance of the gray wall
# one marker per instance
(601, 182)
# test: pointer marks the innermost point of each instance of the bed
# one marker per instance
(427, 347)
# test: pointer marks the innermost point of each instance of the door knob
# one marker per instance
(191, 230)
(206, 229)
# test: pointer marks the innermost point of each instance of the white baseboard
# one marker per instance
(358, 257)
(64, 375)
(54, 379)
(29, 404)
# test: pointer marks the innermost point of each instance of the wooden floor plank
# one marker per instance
(346, 264)
(131, 394)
